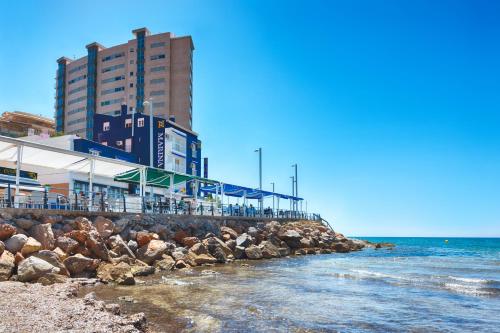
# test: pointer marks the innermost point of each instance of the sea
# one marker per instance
(420, 285)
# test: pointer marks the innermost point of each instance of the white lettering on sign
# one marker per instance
(161, 150)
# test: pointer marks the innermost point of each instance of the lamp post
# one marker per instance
(293, 192)
(296, 186)
(273, 197)
(259, 150)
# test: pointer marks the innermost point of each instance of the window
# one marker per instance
(113, 79)
(112, 68)
(157, 93)
(131, 73)
(131, 85)
(104, 143)
(113, 56)
(140, 122)
(76, 79)
(128, 123)
(158, 104)
(193, 168)
(76, 100)
(131, 108)
(177, 165)
(156, 81)
(193, 149)
(119, 143)
(128, 145)
(158, 69)
(94, 152)
(131, 62)
(157, 44)
(76, 69)
(157, 56)
(72, 91)
(131, 49)
(70, 112)
(105, 126)
(112, 101)
(76, 121)
(130, 96)
(111, 91)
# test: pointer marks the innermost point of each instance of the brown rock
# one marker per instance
(78, 264)
(104, 226)
(83, 223)
(340, 247)
(97, 246)
(228, 231)
(24, 223)
(6, 231)
(18, 258)
(226, 237)
(2, 247)
(253, 252)
(144, 237)
(269, 250)
(51, 278)
(181, 264)
(200, 259)
(199, 248)
(60, 253)
(52, 258)
(152, 251)
(190, 241)
(31, 246)
(79, 235)
(180, 235)
(7, 264)
(119, 273)
(43, 233)
(67, 244)
(119, 246)
(167, 263)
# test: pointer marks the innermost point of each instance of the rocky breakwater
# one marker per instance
(49, 249)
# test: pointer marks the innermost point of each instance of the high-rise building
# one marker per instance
(148, 67)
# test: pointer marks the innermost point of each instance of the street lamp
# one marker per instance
(259, 150)
(296, 186)
(273, 197)
(293, 192)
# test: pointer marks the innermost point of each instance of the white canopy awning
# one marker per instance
(51, 157)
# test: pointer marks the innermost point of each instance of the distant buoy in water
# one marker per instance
(446, 241)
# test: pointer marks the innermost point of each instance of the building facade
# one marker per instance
(175, 148)
(17, 124)
(149, 67)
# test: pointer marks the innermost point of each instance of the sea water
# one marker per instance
(422, 285)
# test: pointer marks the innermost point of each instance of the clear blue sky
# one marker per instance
(390, 108)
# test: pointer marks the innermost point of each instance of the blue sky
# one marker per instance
(390, 108)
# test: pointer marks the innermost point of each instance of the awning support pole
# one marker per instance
(91, 182)
(19, 158)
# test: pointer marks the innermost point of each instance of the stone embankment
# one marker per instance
(52, 248)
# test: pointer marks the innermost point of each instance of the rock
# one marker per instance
(2, 247)
(119, 246)
(284, 251)
(152, 251)
(104, 226)
(219, 254)
(227, 250)
(52, 258)
(18, 258)
(291, 238)
(33, 268)
(142, 270)
(199, 248)
(16, 243)
(120, 225)
(137, 320)
(144, 237)
(51, 278)
(118, 273)
(179, 253)
(180, 235)
(165, 264)
(113, 308)
(79, 235)
(51, 219)
(24, 223)
(97, 246)
(253, 252)
(239, 252)
(6, 231)
(305, 242)
(68, 245)
(201, 259)
(244, 240)
(228, 231)
(226, 237)
(269, 250)
(252, 231)
(231, 244)
(180, 264)
(83, 223)
(190, 241)
(60, 253)
(78, 264)
(7, 264)
(325, 251)
(31, 246)
(340, 247)
(44, 234)
(133, 246)
(273, 227)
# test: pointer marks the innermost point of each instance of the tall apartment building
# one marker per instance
(148, 67)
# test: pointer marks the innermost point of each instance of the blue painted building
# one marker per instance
(174, 147)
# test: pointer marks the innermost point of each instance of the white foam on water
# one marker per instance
(470, 280)
(466, 289)
(174, 282)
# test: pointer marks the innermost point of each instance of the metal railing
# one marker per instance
(99, 201)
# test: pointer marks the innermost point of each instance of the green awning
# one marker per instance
(154, 177)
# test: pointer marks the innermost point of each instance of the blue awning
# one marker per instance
(242, 191)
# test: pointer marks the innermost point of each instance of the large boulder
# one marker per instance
(167, 263)
(341, 247)
(82, 223)
(305, 242)
(118, 246)
(24, 223)
(252, 231)
(144, 237)
(31, 246)
(190, 241)
(228, 231)
(16, 243)
(253, 252)
(97, 246)
(269, 250)
(79, 235)
(78, 264)
(44, 234)
(33, 268)
(199, 248)
(120, 273)
(195, 260)
(104, 226)
(52, 258)
(244, 240)
(239, 252)
(68, 245)
(291, 238)
(7, 264)
(6, 231)
(273, 227)
(120, 225)
(152, 251)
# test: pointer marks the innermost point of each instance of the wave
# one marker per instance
(471, 289)
(473, 280)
